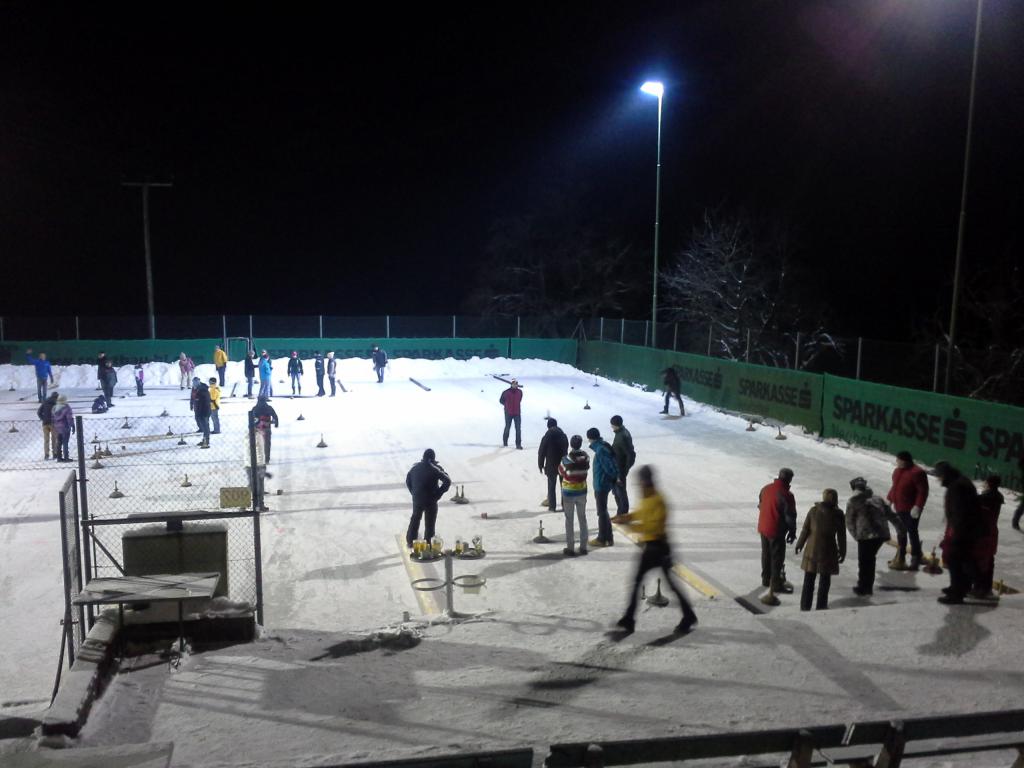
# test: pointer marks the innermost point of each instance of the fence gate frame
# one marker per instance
(71, 557)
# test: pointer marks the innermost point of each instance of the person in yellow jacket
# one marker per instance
(220, 362)
(215, 405)
(648, 520)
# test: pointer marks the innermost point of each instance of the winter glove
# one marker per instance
(791, 537)
(915, 513)
(798, 550)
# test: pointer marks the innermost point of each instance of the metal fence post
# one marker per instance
(622, 331)
(256, 503)
(224, 331)
(601, 329)
(88, 545)
(453, 326)
(796, 359)
(251, 337)
(321, 326)
(860, 347)
(711, 330)
(1, 329)
(387, 326)
(675, 336)
(647, 331)
(519, 327)
(78, 336)
(935, 379)
(67, 579)
(747, 357)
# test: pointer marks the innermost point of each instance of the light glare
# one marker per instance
(654, 88)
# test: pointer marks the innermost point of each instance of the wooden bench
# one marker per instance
(884, 744)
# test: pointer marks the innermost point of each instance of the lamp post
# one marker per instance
(655, 88)
(963, 202)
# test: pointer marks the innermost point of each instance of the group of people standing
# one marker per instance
(968, 545)
(58, 422)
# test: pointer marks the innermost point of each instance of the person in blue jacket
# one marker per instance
(606, 472)
(264, 375)
(43, 372)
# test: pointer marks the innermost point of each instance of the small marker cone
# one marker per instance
(185, 483)
(321, 444)
(587, 406)
(301, 418)
(96, 465)
(13, 428)
(123, 448)
(107, 452)
(181, 441)
(540, 538)
(780, 436)
(95, 439)
(165, 413)
(657, 598)
(126, 425)
(751, 427)
(170, 432)
(116, 494)
(12, 387)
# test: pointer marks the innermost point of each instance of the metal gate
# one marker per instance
(71, 556)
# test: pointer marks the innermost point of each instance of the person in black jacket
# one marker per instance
(427, 482)
(45, 414)
(109, 381)
(380, 360)
(264, 417)
(553, 447)
(625, 458)
(101, 361)
(250, 371)
(961, 505)
(295, 372)
(201, 405)
(671, 380)
(318, 367)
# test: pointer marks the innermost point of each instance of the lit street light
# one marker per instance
(655, 88)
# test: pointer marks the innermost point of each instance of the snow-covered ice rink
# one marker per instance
(535, 666)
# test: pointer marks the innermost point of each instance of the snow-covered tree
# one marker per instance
(734, 276)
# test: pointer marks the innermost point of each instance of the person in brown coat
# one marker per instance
(823, 542)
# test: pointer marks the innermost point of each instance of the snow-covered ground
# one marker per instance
(535, 666)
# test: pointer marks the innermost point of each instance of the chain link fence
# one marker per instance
(146, 475)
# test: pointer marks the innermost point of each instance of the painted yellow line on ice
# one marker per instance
(428, 600)
(678, 569)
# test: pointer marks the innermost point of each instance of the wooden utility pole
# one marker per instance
(145, 185)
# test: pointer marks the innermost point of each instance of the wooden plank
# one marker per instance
(155, 755)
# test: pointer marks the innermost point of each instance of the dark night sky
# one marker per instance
(325, 161)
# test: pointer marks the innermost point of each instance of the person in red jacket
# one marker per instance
(908, 495)
(511, 399)
(990, 503)
(776, 522)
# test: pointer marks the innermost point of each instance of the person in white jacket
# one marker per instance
(256, 482)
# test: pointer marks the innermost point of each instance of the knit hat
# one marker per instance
(858, 484)
(905, 456)
(429, 455)
(575, 442)
(552, 422)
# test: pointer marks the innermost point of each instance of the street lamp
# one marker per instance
(654, 88)
(963, 201)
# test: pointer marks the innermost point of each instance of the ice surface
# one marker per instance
(536, 666)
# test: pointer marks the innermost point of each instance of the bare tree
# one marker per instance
(733, 277)
(551, 268)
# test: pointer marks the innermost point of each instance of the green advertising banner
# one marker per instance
(424, 349)
(556, 350)
(791, 397)
(978, 438)
(120, 352)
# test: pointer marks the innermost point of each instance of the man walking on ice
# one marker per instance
(511, 399)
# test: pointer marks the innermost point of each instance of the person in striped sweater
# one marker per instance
(573, 470)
